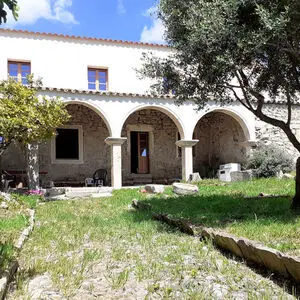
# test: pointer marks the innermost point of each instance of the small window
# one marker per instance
(19, 71)
(97, 79)
(67, 145)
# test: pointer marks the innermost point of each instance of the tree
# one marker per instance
(27, 119)
(232, 50)
(12, 5)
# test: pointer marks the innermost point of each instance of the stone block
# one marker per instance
(292, 265)
(154, 188)
(228, 242)
(185, 189)
(272, 259)
(249, 252)
(287, 176)
(194, 178)
(240, 176)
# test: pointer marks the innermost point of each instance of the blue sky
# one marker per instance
(116, 19)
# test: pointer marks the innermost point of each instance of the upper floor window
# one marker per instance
(19, 70)
(97, 79)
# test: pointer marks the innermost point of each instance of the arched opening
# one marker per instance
(78, 150)
(150, 154)
(222, 140)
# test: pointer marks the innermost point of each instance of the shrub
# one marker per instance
(267, 161)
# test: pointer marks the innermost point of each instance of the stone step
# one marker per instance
(88, 192)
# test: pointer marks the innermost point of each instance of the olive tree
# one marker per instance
(27, 119)
(12, 5)
(232, 50)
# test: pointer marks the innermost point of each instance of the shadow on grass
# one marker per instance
(220, 210)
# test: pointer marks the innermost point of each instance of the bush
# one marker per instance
(267, 161)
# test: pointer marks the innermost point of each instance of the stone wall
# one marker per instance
(220, 141)
(267, 134)
(164, 161)
(96, 153)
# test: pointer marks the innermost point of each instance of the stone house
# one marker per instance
(116, 124)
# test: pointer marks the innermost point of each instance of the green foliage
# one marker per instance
(269, 160)
(225, 50)
(12, 5)
(25, 117)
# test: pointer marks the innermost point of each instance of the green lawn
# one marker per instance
(104, 249)
(266, 220)
(12, 221)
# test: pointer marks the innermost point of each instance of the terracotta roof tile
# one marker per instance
(103, 93)
(83, 38)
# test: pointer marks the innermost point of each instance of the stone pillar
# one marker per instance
(187, 157)
(32, 153)
(116, 160)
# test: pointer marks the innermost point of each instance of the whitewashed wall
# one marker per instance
(63, 62)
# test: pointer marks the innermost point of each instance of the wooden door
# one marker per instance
(143, 152)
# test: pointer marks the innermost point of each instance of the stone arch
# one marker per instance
(223, 138)
(96, 109)
(163, 110)
(235, 115)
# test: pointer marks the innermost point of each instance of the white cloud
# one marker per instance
(121, 8)
(33, 10)
(155, 32)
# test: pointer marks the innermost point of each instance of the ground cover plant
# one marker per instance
(104, 249)
(224, 206)
(14, 218)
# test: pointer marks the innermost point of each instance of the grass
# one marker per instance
(12, 221)
(268, 220)
(102, 248)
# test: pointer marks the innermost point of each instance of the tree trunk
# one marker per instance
(33, 166)
(296, 199)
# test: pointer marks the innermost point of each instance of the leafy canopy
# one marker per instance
(225, 50)
(26, 118)
(11, 5)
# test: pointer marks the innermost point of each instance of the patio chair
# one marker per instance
(100, 177)
(6, 179)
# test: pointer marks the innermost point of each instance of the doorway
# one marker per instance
(139, 152)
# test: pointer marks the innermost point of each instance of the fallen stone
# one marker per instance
(57, 198)
(3, 205)
(272, 259)
(279, 174)
(185, 189)
(239, 176)
(292, 265)
(154, 188)
(38, 285)
(228, 242)
(194, 178)
(5, 196)
(248, 251)
(287, 176)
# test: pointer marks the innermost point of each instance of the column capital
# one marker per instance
(186, 143)
(115, 140)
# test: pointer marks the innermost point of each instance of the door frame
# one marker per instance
(141, 128)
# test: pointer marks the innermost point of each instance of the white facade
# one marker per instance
(63, 62)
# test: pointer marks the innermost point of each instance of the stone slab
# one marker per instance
(292, 265)
(195, 178)
(228, 242)
(155, 188)
(185, 189)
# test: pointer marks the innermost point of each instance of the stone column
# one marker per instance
(32, 153)
(187, 157)
(116, 160)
